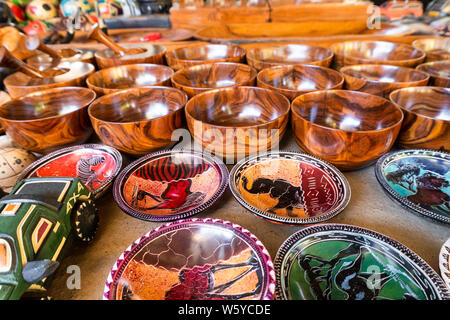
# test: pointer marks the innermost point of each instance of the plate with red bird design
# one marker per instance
(170, 185)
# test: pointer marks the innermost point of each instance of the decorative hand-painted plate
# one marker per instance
(170, 185)
(444, 262)
(289, 187)
(419, 180)
(194, 259)
(343, 262)
(94, 164)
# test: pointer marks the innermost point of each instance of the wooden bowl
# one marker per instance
(138, 120)
(293, 81)
(381, 80)
(201, 78)
(436, 48)
(266, 57)
(140, 53)
(375, 52)
(113, 79)
(238, 121)
(48, 120)
(439, 72)
(44, 61)
(194, 55)
(349, 129)
(427, 117)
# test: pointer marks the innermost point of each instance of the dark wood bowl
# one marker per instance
(194, 55)
(44, 61)
(139, 53)
(201, 78)
(349, 129)
(237, 121)
(138, 120)
(427, 117)
(293, 81)
(113, 79)
(266, 57)
(439, 72)
(375, 52)
(47, 120)
(381, 80)
(436, 48)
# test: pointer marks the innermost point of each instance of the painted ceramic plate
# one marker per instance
(343, 262)
(195, 259)
(170, 185)
(289, 187)
(94, 164)
(444, 262)
(419, 180)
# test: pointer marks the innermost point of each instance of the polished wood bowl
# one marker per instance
(194, 55)
(266, 57)
(47, 120)
(113, 79)
(427, 117)
(436, 48)
(292, 81)
(138, 120)
(439, 72)
(375, 52)
(201, 78)
(44, 61)
(349, 129)
(144, 53)
(381, 80)
(237, 121)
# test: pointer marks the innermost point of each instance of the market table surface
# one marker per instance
(369, 207)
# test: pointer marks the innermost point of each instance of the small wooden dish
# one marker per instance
(291, 54)
(138, 120)
(427, 117)
(201, 78)
(436, 48)
(48, 120)
(118, 78)
(292, 81)
(194, 55)
(381, 80)
(350, 129)
(439, 72)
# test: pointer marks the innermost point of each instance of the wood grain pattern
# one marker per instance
(375, 52)
(349, 129)
(113, 79)
(436, 48)
(201, 78)
(439, 72)
(194, 55)
(45, 61)
(381, 80)
(289, 54)
(427, 117)
(292, 81)
(48, 120)
(138, 120)
(238, 121)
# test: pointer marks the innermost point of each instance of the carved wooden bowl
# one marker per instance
(137, 53)
(261, 58)
(48, 120)
(237, 121)
(44, 61)
(293, 81)
(439, 72)
(194, 55)
(138, 120)
(201, 78)
(375, 52)
(427, 117)
(350, 129)
(113, 79)
(381, 80)
(436, 48)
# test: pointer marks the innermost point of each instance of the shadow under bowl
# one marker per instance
(439, 72)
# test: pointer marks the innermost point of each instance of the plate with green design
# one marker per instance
(343, 262)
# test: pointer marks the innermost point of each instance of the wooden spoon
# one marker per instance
(97, 34)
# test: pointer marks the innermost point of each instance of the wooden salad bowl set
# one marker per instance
(348, 104)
